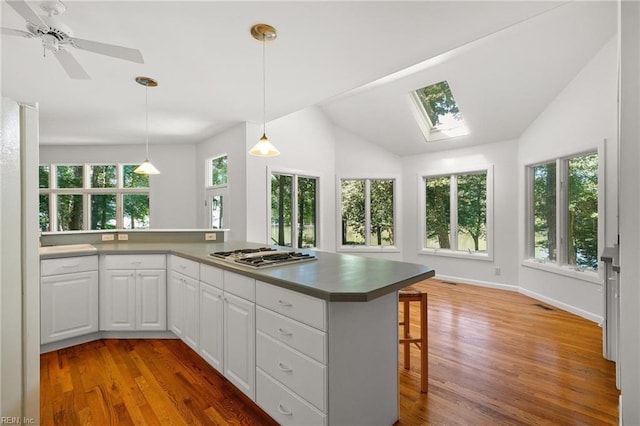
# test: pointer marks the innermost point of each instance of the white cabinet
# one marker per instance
(68, 298)
(239, 343)
(184, 306)
(133, 293)
(211, 316)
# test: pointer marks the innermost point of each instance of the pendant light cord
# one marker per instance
(264, 84)
(146, 109)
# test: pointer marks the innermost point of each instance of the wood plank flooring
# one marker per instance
(495, 357)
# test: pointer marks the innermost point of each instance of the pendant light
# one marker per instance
(146, 168)
(264, 148)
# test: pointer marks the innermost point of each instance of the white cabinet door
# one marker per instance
(239, 343)
(151, 300)
(69, 305)
(211, 320)
(176, 303)
(190, 291)
(118, 301)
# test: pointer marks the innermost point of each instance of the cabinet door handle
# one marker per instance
(284, 332)
(285, 304)
(70, 265)
(182, 266)
(282, 410)
(284, 368)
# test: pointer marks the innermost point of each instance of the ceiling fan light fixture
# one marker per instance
(264, 148)
(146, 168)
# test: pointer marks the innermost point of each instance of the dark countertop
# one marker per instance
(333, 277)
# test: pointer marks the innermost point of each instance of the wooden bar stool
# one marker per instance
(407, 295)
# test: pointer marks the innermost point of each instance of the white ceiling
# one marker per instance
(210, 76)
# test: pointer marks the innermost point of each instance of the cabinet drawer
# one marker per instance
(211, 275)
(135, 261)
(306, 309)
(68, 265)
(307, 340)
(185, 266)
(283, 405)
(301, 374)
(240, 285)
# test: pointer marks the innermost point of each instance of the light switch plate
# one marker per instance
(210, 236)
(123, 237)
(107, 237)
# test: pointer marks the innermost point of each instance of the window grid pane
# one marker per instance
(307, 222)
(217, 211)
(69, 176)
(133, 180)
(544, 212)
(582, 219)
(45, 216)
(136, 211)
(472, 212)
(219, 171)
(353, 212)
(281, 204)
(381, 212)
(70, 212)
(438, 212)
(103, 211)
(103, 176)
(43, 176)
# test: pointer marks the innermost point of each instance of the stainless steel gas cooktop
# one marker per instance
(262, 257)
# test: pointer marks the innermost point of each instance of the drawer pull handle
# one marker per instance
(285, 304)
(284, 368)
(70, 265)
(136, 262)
(284, 411)
(284, 332)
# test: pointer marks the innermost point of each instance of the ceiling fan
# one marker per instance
(56, 37)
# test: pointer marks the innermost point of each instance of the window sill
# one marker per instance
(368, 249)
(579, 274)
(457, 254)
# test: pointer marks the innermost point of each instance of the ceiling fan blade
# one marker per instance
(12, 32)
(24, 10)
(71, 65)
(119, 52)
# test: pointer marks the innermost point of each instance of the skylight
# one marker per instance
(437, 112)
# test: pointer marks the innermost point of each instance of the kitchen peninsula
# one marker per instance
(314, 342)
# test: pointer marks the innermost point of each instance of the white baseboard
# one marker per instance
(560, 305)
(67, 343)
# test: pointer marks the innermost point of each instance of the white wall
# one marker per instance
(357, 158)
(232, 143)
(172, 193)
(501, 155)
(579, 119)
(630, 213)
(306, 143)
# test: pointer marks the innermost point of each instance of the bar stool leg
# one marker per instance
(407, 332)
(424, 347)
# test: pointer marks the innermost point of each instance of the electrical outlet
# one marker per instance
(498, 270)
(107, 237)
(123, 237)
(210, 236)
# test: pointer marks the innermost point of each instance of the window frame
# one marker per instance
(295, 174)
(368, 247)
(560, 265)
(454, 172)
(211, 191)
(86, 191)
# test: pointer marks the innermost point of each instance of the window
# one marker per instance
(216, 191)
(563, 212)
(437, 112)
(92, 196)
(293, 210)
(458, 213)
(367, 213)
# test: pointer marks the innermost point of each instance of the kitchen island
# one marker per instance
(319, 339)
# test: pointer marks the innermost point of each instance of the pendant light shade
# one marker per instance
(264, 148)
(146, 168)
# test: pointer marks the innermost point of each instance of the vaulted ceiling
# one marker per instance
(505, 61)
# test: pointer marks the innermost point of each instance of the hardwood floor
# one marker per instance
(495, 357)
